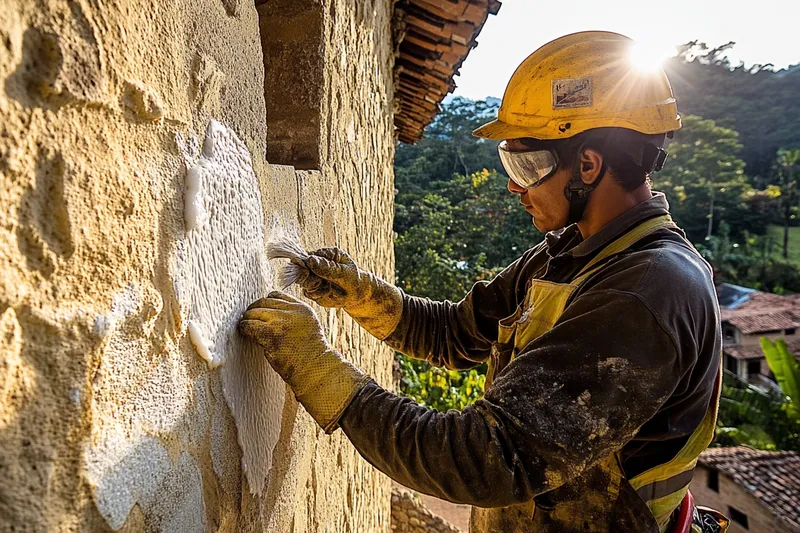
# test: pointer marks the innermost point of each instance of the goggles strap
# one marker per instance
(577, 192)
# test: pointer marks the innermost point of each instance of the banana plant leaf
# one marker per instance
(787, 372)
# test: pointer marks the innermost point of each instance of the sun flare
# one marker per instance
(649, 56)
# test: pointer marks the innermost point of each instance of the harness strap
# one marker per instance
(623, 243)
(663, 487)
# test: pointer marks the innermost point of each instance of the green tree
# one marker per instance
(755, 101)
(467, 229)
(456, 223)
(439, 388)
(761, 418)
(704, 180)
(447, 149)
(786, 369)
(754, 416)
(749, 262)
(787, 165)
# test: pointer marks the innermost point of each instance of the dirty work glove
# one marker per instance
(295, 346)
(330, 278)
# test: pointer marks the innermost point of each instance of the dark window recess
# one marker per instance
(730, 364)
(790, 331)
(713, 480)
(293, 44)
(738, 517)
(753, 367)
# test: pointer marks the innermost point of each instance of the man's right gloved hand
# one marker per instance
(331, 278)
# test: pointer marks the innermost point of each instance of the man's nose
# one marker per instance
(513, 187)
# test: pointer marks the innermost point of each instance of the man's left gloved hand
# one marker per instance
(295, 345)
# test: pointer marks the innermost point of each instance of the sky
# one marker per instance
(765, 31)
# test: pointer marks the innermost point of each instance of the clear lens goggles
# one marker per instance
(530, 168)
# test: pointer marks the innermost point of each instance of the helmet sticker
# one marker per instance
(572, 92)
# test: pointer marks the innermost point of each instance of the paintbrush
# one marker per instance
(285, 247)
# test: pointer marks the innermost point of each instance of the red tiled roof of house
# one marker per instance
(762, 312)
(743, 352)
(434, 38)
(772, 477)
(762, 302)
(754, 352)
(766, 321)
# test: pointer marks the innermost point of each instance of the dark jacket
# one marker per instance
(630, 367)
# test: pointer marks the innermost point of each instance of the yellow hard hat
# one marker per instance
(579, 82)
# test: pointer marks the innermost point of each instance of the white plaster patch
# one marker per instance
(201, 344)
(178, 505)
(137, 396)
(220, 268)
(194, 209)
(126, 472)
(157, 406)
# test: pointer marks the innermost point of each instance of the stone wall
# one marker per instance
(135, 199)
(409, 515)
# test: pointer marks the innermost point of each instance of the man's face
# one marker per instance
(546, 203)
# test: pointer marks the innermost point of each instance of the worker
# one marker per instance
(603, 342)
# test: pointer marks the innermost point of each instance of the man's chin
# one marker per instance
(545, 226)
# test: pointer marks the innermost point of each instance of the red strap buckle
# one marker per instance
(684, 522)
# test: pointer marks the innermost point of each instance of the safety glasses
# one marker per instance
(529, 168)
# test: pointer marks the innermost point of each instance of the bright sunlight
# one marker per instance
(649, 56)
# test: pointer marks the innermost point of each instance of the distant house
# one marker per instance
(758, 491)
(747, 315)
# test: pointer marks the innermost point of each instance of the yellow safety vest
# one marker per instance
(662, 487)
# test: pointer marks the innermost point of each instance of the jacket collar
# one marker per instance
(568, 240)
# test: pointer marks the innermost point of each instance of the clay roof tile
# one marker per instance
(435, 36)
(771, 477)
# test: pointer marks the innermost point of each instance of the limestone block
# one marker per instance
(128, 402)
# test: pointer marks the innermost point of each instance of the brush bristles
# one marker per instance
(289, 275)
(285, 247)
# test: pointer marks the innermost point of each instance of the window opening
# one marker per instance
(713, 480)
(293, 45)
(738, 517)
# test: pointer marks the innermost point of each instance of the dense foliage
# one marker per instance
(705, 182)
(455, 221)
(456, 224)
(767, 419)
(756, 101)
(731, 180)
(755, 416)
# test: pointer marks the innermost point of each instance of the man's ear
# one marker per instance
(591, 165)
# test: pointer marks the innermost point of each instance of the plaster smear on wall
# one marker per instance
(150, 410)
(141, 472)
(220, 268)
(137, 398)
